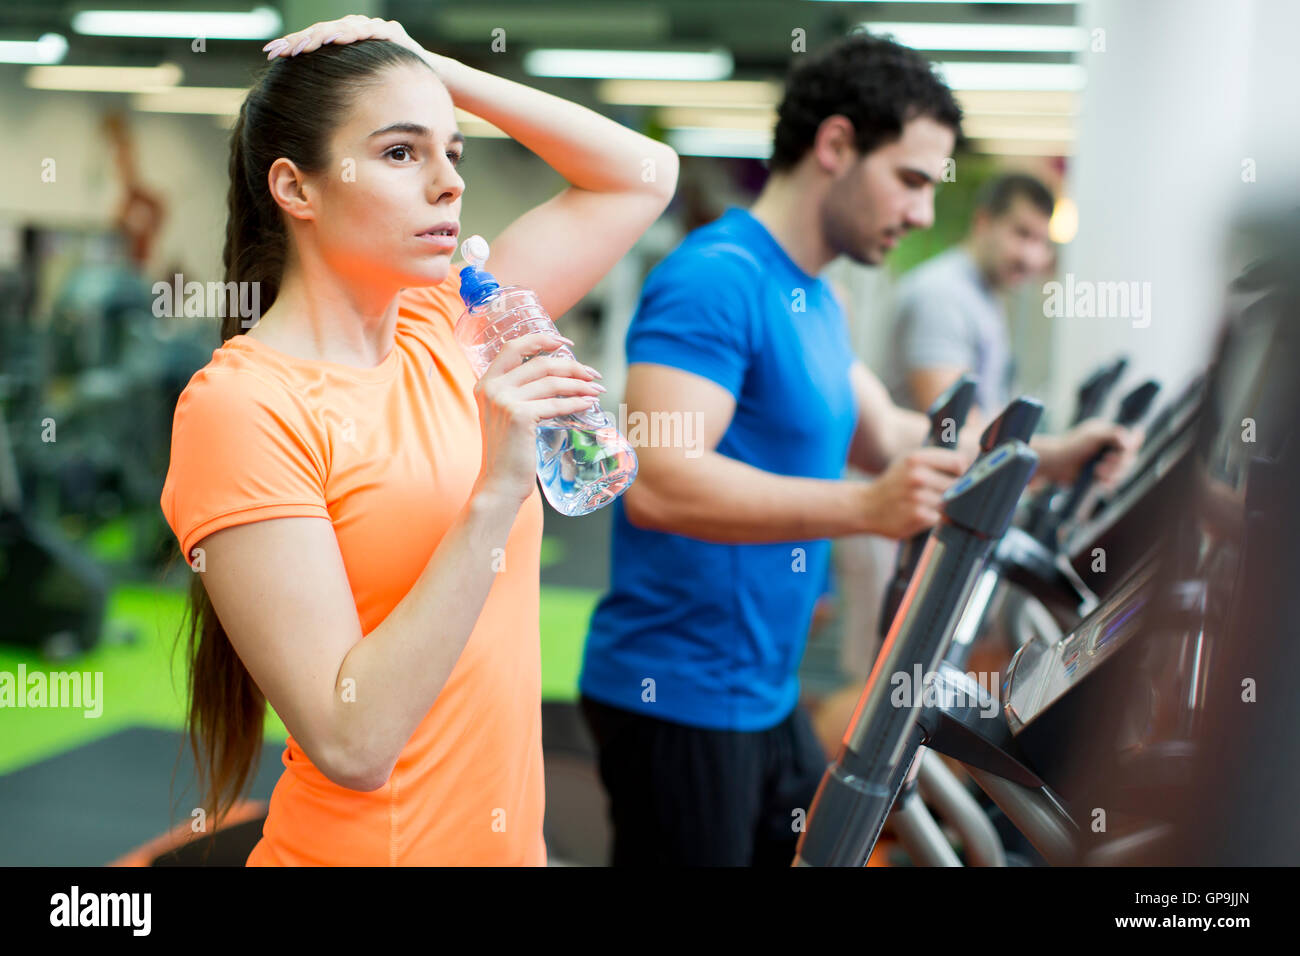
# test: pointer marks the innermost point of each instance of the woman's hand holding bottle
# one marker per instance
(514, 394)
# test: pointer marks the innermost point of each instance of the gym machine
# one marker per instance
(1094, 746)
(1042, 571)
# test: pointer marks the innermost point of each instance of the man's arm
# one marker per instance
(886, 432)
(691, 489)
(933, 339)
(1060, 457)
(927, 384)
(935, 348)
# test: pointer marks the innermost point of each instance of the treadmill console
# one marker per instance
(1041, 673)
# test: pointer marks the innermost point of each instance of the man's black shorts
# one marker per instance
(686, 796)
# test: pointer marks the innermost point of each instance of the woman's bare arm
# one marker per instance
(282, 594)
(618, 184)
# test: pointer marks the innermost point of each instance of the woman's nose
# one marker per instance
(446, 185)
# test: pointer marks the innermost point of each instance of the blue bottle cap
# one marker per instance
(476, 285)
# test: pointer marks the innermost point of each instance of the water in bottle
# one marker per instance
(583, 461)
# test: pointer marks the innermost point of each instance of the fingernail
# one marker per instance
(334, 37)
(273, 44)
(593, 371)
(301, 46)
(599, 386)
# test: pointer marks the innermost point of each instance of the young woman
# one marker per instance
(362, 517)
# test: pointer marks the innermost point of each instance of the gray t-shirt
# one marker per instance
(946, 315)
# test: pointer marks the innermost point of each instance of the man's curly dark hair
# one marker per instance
(878, 84)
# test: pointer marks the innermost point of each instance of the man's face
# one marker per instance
(884, 195)
(1014, 246)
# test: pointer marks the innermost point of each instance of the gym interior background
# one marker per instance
(1156, 124)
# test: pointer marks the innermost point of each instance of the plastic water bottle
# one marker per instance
(583, 461)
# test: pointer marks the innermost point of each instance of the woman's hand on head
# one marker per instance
(514, 394)
(349, 29)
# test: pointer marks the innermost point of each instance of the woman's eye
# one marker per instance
(455, 158)
(404, 150)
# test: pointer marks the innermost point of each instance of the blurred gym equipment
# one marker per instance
(1100, 748)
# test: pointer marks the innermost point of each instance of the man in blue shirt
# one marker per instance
(720, 547)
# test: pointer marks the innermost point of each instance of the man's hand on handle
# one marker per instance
(905, 499)
(1061, 456)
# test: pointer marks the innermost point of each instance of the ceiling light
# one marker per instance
(103, 79)
(699, 117)
(1012, 76)
(257, 24)
(214, 100)
(1022, 147)
(1015, 127)
(1012, 38)
(1036, 2)
(630, 64)
(722, 94)
(50, 48)
(1025, 103)
(554, 23)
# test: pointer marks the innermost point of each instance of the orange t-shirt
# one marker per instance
(389, 455)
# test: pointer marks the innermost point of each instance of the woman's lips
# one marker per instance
(442, 242)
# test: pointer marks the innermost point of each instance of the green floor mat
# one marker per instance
(139, 686)
(565, 615)
(142, 685)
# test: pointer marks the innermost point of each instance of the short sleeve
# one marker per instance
(697, 316)
(240, 452)
(934, 331)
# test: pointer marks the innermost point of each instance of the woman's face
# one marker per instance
(391, 182)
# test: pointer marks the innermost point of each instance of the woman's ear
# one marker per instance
(289, 189)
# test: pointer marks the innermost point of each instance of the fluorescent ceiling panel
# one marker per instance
(630, 64)
(1066, 77)
(256, 24)
(50, 48)
(1008, 38)
(103, 79)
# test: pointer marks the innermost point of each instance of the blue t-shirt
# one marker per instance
(711, 634)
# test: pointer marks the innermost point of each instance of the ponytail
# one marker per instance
(226, 709)
(256, 243)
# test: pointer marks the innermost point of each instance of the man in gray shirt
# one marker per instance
(949, 318)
